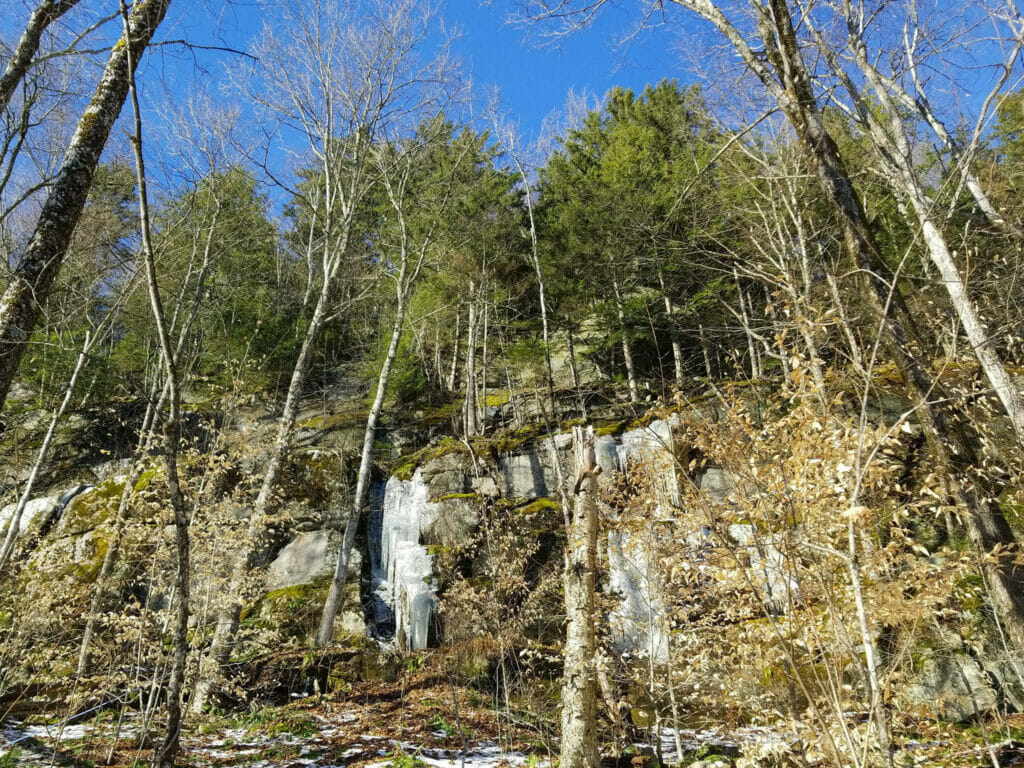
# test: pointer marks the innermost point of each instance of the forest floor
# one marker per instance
(429, 724)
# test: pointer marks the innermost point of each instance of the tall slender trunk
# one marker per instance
(469, 407)
(483, 371)
(47, 12)
(453, 373)
(673, 331)
(579, 680)
(627, 354)
(574, 371)
(876, 695)
(14, 524)
(325, 633)
(30, 284)
(705, 352)
(755, 360)
(164, 755)
(219, 652)
(541, 293)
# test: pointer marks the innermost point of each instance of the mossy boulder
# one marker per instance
(91, 509)
(295, 611)
(364, 666)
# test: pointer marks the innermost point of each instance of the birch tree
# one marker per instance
(341, 75)
(765, 38)
(879, 107)
(579, 678)
(400, 169)
(41, 260)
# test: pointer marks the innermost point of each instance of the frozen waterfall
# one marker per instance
(402, 567)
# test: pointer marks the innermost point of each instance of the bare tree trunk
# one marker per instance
(673, 331)
(453, 373)
(705, 352)
(627, 354)
(325, 633)
(535, 258)
(844, 322)
(919, 102)
(164, 755)
(755, 362)
(469, 408)
(44, 450)
(574, 371)
(38, 266)
(47, 12)
(483, 372)
(579, 681)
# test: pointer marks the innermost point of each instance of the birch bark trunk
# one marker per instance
(579, 680)
(219, 652)
(673, 332)
(469, 407)
(325, 632)
(47, 12)
(33, 278)
(627, 354)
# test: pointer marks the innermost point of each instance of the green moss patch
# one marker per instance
(91, 509)
(406, 467)
(457, 497)
(334, 421)
(293, 611)
(539, 505)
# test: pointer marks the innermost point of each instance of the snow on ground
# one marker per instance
(485, 754)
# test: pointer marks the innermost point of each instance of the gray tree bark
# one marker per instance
(165, 754)
(47, 12)
(627, 354)
(579, 678)
(33, 278)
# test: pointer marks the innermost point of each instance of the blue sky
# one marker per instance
(533, 79)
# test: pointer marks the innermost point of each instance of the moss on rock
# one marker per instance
(87, 511)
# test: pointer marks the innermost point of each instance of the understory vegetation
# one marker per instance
(346, 279)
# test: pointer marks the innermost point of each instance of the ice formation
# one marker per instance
(402, 567)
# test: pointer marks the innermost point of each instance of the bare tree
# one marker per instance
(880, 110)
(579, 678)
(165, 754)
(47, 12)
(766, 40)
(508, 139)
(396, 167)
(37, 268)
(349, 74)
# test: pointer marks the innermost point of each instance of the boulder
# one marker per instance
(310, 554)
(40, 508)
(955, 687)
(447, 474)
